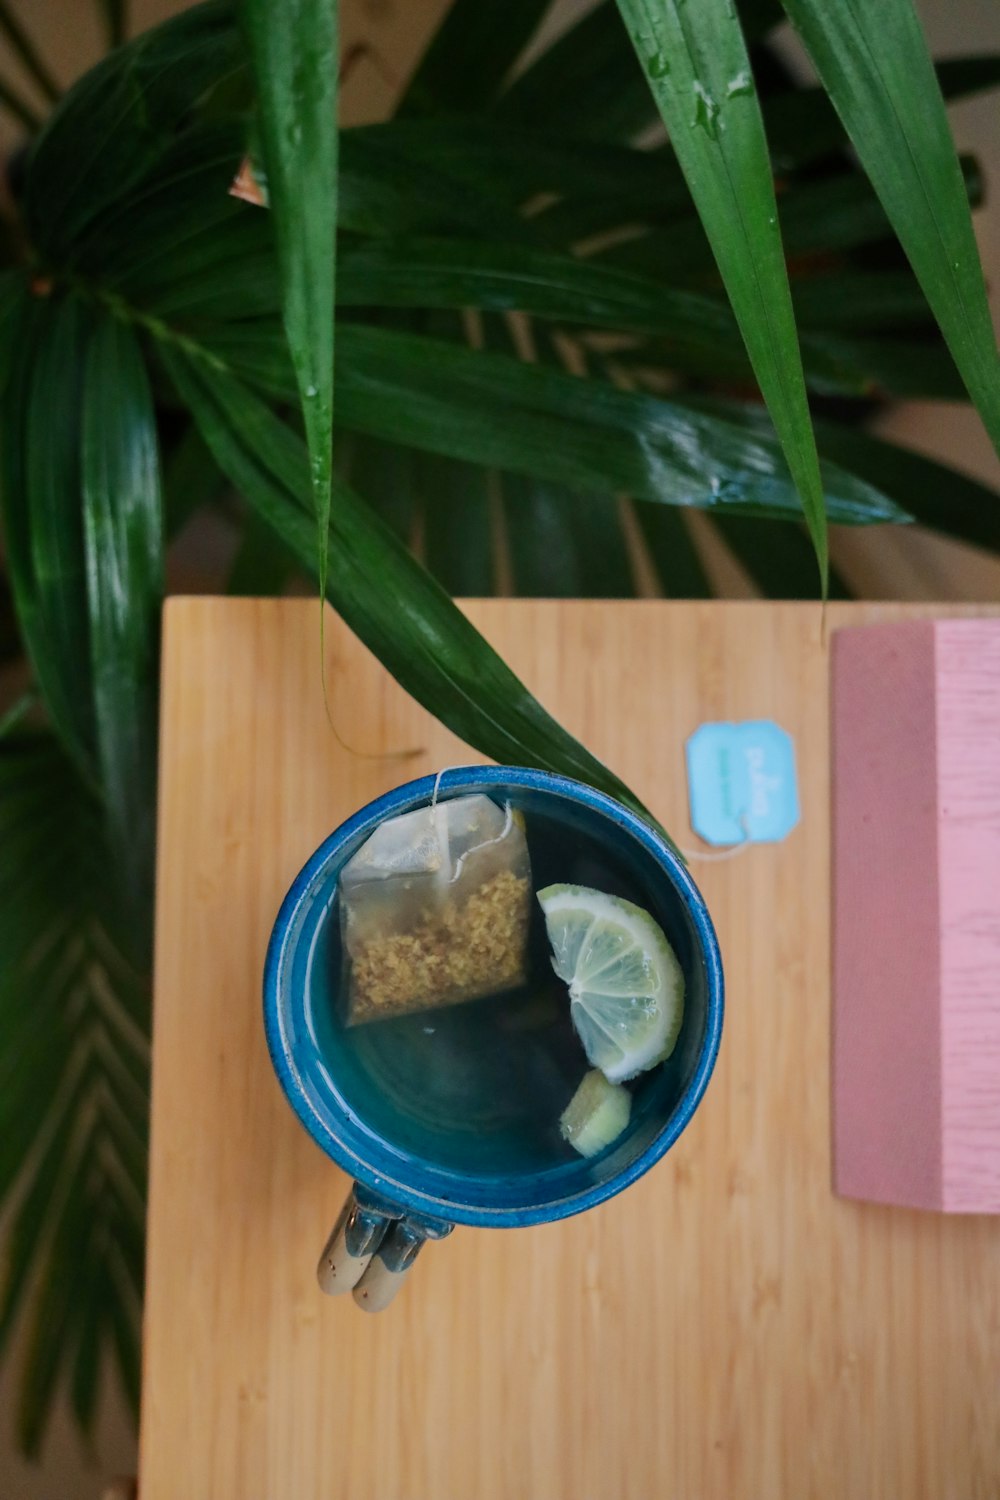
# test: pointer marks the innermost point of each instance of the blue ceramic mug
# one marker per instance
(407, 1191)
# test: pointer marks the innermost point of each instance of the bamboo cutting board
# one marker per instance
(726, 1330)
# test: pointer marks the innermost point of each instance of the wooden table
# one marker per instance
(728, 1330)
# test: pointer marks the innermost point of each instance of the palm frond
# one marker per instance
(73, 1089)
(294, 52)
(383, 594)
(552, 339)
(879, 75)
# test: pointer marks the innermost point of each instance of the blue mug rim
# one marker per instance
(413, 794)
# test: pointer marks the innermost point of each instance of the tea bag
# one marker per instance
(435, 909)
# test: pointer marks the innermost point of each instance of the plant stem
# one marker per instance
(11, 100)
(115, 20)
(120, 307)
(25, 49)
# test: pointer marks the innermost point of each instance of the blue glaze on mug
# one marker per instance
(299, 989)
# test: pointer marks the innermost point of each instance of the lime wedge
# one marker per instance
(625, 985)
(596, 1115)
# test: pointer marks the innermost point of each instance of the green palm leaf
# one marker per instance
(457, 525)
(381, 591)
(455, 505)
(862, 301)
(874, 64)
(262, 566)
(696, 62)
(803, 126)
(387, 477)
(490, 409)
(939, 497)
(778, 559)
(454, 273)
(168, 208)
(685, 331)
(120, 120)
(191, 481)
(674, 556)
(601, 549)
(563, 543)
(73, 1091)
(470, 54)
(388, 190)
(503, 469)
(40, 476)
(832, 213)
(584, 433)
(123, 535)
(293, 44)
(510, 164)
(592, 62)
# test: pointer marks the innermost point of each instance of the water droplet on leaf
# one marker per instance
(740, 85)
(706, 111)
(727, 491)
(657, 65)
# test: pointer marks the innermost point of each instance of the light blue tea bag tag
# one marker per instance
(741, 783)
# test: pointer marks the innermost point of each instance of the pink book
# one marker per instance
(916, 914)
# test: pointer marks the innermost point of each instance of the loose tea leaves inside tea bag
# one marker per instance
(435, 908)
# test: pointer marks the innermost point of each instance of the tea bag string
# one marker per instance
(505, 830)
(508, 823)
(437, 780)
(437, 784)
(698, 857)
(440, 833)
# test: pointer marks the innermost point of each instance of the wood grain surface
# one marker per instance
(727, 1329)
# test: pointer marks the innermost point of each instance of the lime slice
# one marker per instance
(625, 985)
(596, 1115)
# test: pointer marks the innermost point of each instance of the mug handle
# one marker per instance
(372, 1246)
